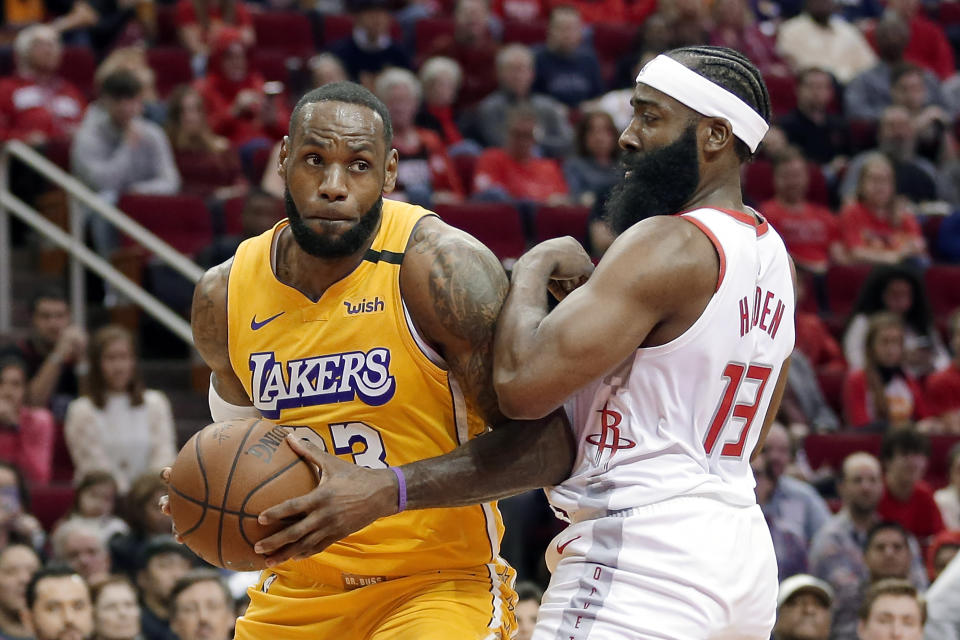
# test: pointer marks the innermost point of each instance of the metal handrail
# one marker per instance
(80, 255)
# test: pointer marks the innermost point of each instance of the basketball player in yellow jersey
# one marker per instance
(366, 326)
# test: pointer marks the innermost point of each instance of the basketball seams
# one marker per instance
(226, 488)
(229, 512)
(206, 491)
(243, 505)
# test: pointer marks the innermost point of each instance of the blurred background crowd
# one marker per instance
(506, 115)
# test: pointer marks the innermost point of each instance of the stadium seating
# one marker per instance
(843, 286)
(758, 183)
(78, 67)
(783, 95)
(166, 24)
(555, 222)
(49, 503)
(496, 225)
(428, 31)
(529, 33)
(465, 164)
(182, 221)
(273, 65)
(287, 32)
(943, 289)
(830, 449)
(171, 66)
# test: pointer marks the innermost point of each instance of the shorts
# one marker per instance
(437, 605)
(688, 568)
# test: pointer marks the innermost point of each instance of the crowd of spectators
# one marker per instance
(516, 103)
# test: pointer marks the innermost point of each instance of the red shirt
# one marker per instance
(535, 179)
(943, 390)
(928, 47)
(219, 93)
(860, 227)
(919, 514)
(186, 14)
(904, 398)
(53, 109)
(807, 230)
(815, 341)
(29, 445)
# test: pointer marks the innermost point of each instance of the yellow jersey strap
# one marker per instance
(396, 226)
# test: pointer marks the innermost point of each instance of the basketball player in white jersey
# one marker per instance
(670, 361)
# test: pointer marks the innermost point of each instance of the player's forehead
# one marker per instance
(330, 123)
(646, 96)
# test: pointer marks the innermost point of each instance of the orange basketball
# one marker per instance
(224, 476)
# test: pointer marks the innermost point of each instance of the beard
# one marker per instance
(660, 182)
(321, 245)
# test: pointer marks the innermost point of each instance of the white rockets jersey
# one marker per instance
(683, 418)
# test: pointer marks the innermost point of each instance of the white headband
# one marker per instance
(705, 97)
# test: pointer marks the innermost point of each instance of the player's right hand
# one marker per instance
(165, 503)
(569, 264)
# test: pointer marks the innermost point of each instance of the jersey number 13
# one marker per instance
(734, 374)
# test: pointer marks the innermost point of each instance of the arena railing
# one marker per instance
(80, 255)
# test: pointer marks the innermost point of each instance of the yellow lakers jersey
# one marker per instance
(349, 372)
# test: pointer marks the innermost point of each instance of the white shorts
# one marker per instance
(688, 568)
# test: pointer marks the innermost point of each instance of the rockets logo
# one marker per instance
(609, 437)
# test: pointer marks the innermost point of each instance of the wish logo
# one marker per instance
(364, 306)
(318, 380)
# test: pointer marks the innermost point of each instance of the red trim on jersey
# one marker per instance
(716, 244)
(740, 216)
(746, 218)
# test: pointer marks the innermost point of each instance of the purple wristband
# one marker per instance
(401, 489)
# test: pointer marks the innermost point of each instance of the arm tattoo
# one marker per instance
(467, 287)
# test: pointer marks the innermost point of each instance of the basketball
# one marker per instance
(224, 476)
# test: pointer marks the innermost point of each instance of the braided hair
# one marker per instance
(734, 72)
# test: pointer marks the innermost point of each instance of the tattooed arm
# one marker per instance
(208, 319)
(454, 288)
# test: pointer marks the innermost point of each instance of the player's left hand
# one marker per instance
(347, 498)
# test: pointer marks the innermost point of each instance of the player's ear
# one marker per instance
(390, 171)
(717, 136)
(282, 158)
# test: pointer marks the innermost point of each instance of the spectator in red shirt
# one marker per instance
(593, 11)
(36, 104)
(513, 172)
(810, 231)
(26, 433)
(200, 22)
(943, 549)
(882, 394)
(878, 227)
(425, 174)
(907, 499)
(943, 387)
(928, 45)
(816, 342)
(236, 97)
